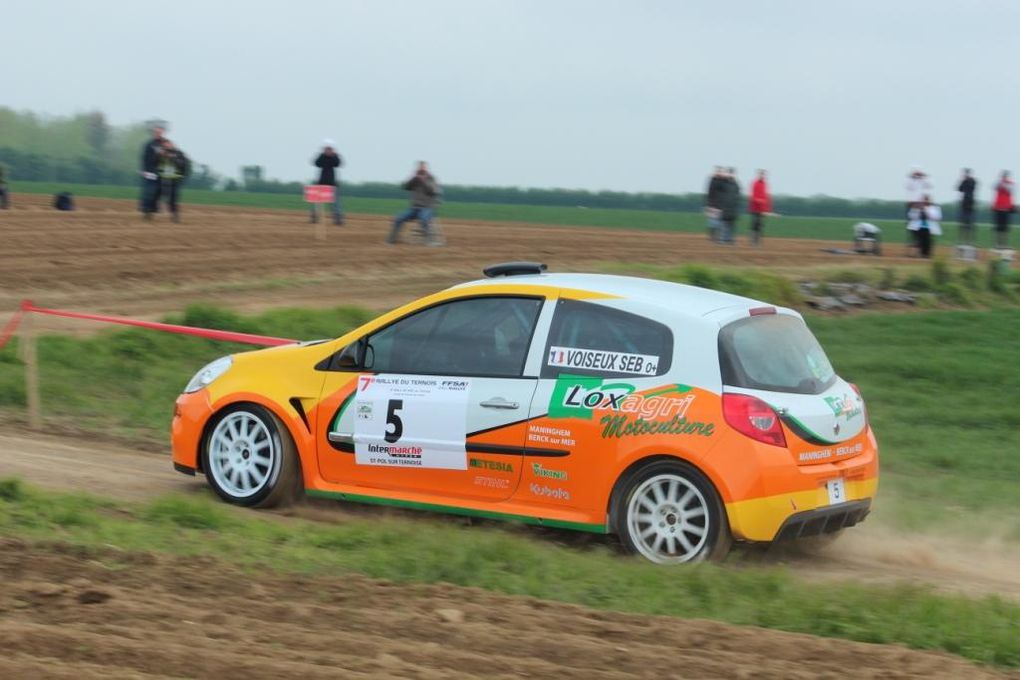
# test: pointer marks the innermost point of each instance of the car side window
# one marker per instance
(592, 339)
(483, 337)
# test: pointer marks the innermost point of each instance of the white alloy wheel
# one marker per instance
(668, 519)
(243, 455)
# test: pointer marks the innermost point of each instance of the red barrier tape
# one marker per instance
(229, 336)
(11, 326)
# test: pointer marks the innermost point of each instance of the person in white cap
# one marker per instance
(329, 162)
(918, 186)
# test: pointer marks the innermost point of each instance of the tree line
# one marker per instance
(86, 149)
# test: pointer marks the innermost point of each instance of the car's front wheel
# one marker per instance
(249, 457)
(670, 513)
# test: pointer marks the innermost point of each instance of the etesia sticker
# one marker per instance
(496, 465)
(603, 361)
(411, 421)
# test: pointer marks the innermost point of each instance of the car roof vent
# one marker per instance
(514, 269)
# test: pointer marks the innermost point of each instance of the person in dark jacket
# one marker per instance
(5, 201)
(329, 161)
(174, 166)
(425, 195)
(151, 152)
(967, 187)
(712, 195)
(729, 206)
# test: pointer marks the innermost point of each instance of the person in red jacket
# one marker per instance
(1002, 208)
(759, 205)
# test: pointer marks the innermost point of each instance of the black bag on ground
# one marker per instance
(63, 201)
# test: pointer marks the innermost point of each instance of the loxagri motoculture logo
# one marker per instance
(844, 406)
(578, 396)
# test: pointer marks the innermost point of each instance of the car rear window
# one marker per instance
(773, 352)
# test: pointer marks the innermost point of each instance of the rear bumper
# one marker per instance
(827, 520)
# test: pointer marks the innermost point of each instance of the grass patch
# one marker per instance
(757, 283)
(826, 228)
(504, 560)
(942, 388)
(124, 382)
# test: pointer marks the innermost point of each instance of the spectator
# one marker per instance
(729, 206)
(1002, 208)
(924, 220)
(149, 202)
(759, 206)
(425, 194)
(712, 196)
(174, 166)
(967, 187)
(918, 186)
(328, 162)
(5, 201)
(63, 201)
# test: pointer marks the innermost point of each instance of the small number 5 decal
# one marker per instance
(393, 419)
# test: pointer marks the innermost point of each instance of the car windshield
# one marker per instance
(773, 352)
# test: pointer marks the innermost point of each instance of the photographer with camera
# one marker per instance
(151, 152)
(329, 161)
(425, 195)
(174, 166)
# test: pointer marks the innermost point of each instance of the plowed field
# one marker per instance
(69, 614)
(104, 257)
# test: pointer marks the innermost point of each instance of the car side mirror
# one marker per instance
(369, 356)
(348, 358)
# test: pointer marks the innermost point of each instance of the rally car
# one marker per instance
(678, 418)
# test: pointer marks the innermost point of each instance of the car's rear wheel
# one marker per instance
(670, 513)
(249, 457)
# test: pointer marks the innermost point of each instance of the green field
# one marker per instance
(828, 228)
(513, 561)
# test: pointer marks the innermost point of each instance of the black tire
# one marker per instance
(250, 459)
(674, 531)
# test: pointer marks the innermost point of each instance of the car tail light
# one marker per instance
(867, 418)
(752, 417)
(758, 311)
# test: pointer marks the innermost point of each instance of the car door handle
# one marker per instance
(500, 402)
(341, 437)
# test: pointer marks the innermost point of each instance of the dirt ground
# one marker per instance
(870, 554)
(68, 614)
(105, 258)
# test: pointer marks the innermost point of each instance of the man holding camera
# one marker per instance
(425, 195)
(328, 162)
(151, 155)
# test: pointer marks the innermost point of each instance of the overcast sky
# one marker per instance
(837, 98)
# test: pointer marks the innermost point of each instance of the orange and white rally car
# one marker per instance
(676, 417)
